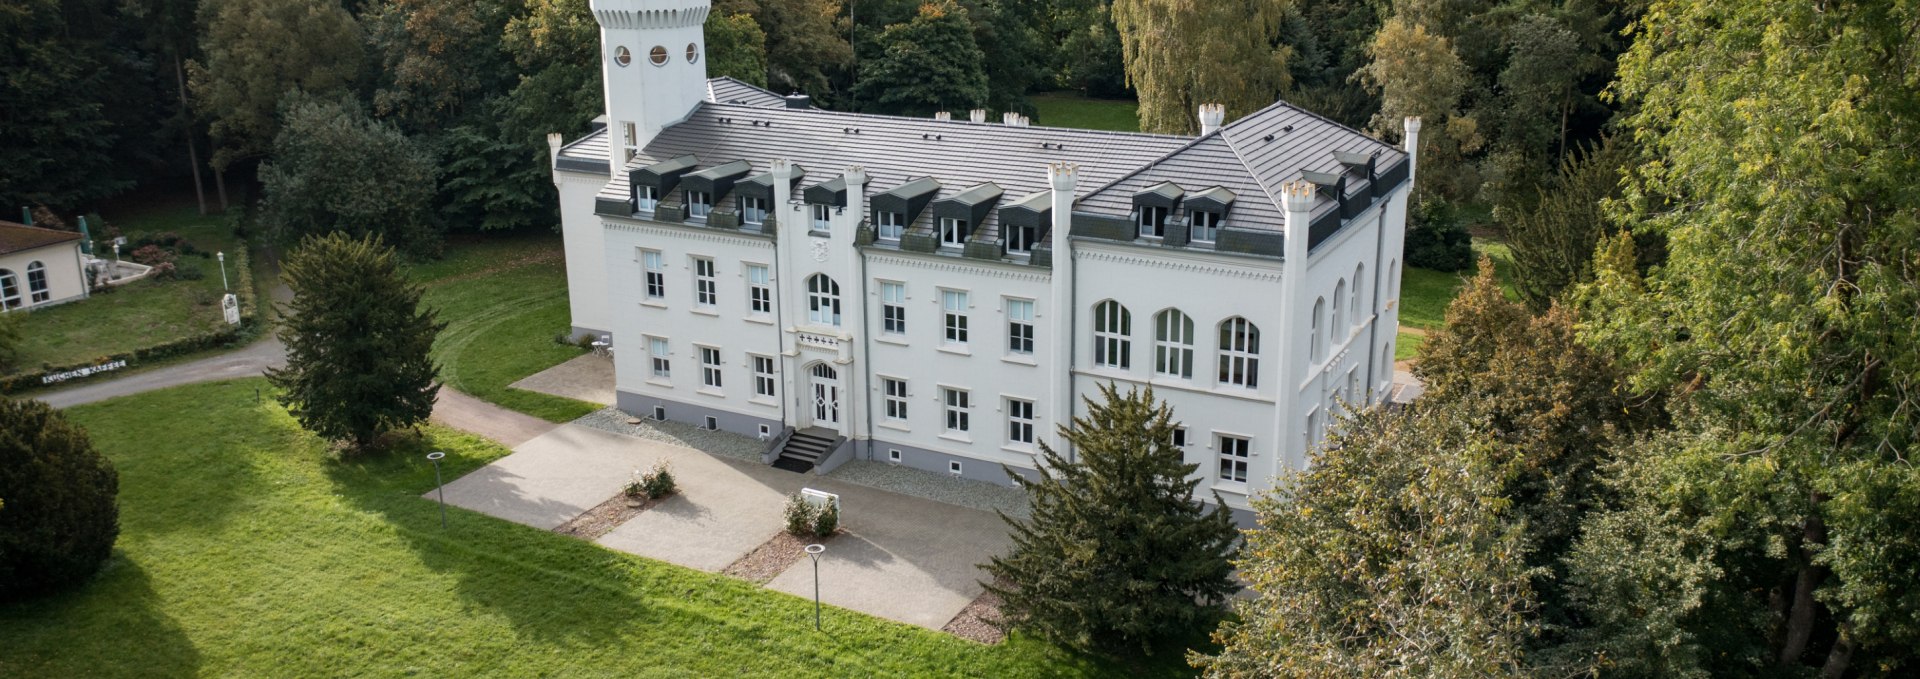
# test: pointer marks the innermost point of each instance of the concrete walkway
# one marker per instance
(585, 378)
(250, 361)
(903, 558)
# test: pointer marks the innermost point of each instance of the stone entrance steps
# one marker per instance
(804, 450)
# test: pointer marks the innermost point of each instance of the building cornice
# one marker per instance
(687, 232)
(1018, 272)
(1161, 261)
(564, 175)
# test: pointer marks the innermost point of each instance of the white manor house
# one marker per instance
(941, 293)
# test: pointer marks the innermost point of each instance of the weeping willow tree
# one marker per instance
(1183, 53)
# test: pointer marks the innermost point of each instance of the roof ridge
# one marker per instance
(969, 123)
(1257, 180)
(1156, 161)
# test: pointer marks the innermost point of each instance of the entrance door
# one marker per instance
(826, 395)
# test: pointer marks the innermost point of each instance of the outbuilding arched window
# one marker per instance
(1336, 329)
(37, 282)
(823, 300)
(1317, 339)
(1112, 335)
(1173, 344)
(1360, 305)
(1239, 353)
(9, 290)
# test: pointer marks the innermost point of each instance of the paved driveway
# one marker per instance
(903, 558)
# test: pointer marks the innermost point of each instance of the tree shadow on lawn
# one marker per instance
(111, 625)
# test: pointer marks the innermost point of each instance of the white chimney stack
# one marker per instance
(978, 115)
(1009, 118)
(1212, 116)
(942, 116)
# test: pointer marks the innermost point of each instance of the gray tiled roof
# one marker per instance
(726, 90)
(589, 153)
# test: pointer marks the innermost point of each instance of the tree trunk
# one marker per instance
(220, 183)
(1800, 616)
(193, 154)
(1838, 658)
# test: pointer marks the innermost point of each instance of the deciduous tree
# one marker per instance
(927, 64)
(255, 52)
(336, 169)
(1181, 54)
(59, 514)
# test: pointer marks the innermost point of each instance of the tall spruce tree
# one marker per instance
(1118, 552)
(357, 341)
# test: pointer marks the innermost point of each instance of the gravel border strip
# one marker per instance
(979, 621)
(604, 517)
(769, 560)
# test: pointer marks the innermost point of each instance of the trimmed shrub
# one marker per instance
(658, 482)
(151, 255)
(58, 513)
(826, 519)
(808, 521)
(1437, 240)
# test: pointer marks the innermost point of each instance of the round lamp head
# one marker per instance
(816, 549)
(435, 456)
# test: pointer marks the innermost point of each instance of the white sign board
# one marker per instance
(821, 499)
(82, 372)
(230, 306)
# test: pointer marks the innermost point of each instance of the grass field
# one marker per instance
(142, 313)
(1058, 109)
(504, 298)
(1424, 295)
(247, 550)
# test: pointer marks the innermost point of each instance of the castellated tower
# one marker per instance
(653, 63)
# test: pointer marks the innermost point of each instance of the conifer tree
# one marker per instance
(1118, 551)
(357, 342)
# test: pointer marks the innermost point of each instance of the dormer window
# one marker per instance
(753, 210)
(1020, 237)
(893, 225)
(1153, 221)
(822, 217)
(699, 203)
(1206, 226)
(645, 198)
(953, 232)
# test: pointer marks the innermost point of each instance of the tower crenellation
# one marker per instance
(653, 63)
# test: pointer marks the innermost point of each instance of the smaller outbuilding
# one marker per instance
(39, 267)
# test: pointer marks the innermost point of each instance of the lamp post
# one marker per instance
(813, 552)
(222, 256)
(439, 487)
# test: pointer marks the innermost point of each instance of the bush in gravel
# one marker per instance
(58, 512)
(808, 521)
(658, 482)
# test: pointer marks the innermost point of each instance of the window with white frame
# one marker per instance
(822, 217)
(9, 289)
(1019, 422)
(823, 300)
(958, 408)
(1112, 335)
(1336, 329)
(1173, 344)
(1316, 343)
(893, 308)
(710, 367)
(954, 303)
(699, 203)
(37, 282)
(1206, 226)
(953, 232)
(657, 355)
(1020, 238)
(763, 379)
(1020, 326)
(630, 142)
(1239, 353)
(759, 290)
(893, 225)
(895, 392)
(1153, 221)
(753, 210)
(655, 267)
(646, 198)
(1178, 438)
(1235, 458)
(706, 290)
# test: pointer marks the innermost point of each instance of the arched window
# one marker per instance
(1393, 279)
(1317, 342)
(1239, 353)
(1173, 344)
(823, 300)
(1339, 324)
(1112, 335)
(1360, 305)
(37, 282)
(9, 289)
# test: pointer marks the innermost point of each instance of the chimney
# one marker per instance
(943, 116)
(1211, 117)
(978, 115)
(798, 100)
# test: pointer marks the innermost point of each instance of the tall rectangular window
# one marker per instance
(1020, 238)
(763, 380)
(1019, 422)
(1151, 220)
(657, 355)
(893, 308)
(896, 398)
(1019, 326)
(822, 217)
(953, 232)
(629, 142)
(710, 367)
(892, 225)
(655, 267)
(954, 302)
(958, 407)
(759, 290)
(645, 198)
(705, 288)
(699, 203)
(1206, 226)
(753, 210)
(1234, 458)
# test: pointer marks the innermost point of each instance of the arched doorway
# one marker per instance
(826, 395)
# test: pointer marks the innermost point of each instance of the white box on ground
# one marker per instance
(821, 499)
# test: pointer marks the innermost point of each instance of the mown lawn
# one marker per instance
(1425, 294)
(1060, 109)
(139, 314)
(504, 297)
(248, 550)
